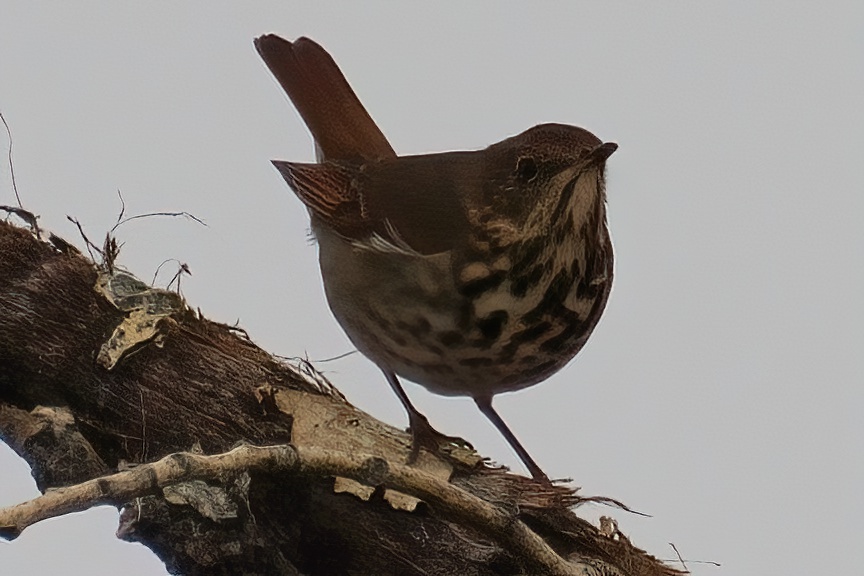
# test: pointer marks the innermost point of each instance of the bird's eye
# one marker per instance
(526, 169)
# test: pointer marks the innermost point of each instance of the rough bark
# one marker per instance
(80, 399)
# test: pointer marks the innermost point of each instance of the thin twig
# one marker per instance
(149, 214)
(182, 268)
(122, 207)
(90, 245)
(11, 164)
(681, 560)
(338, 357)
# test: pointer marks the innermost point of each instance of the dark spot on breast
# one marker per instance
(585, 231)
(597, 267)
(559, 234)
(496, 250)
(552, 302)
(519, 287)
(508, 352)
(476, 287)
(543, 369)
(564, 200)
(575, 329)
(565, 230)
(562, 341)
(520, 284)
(450, 338)
(531, 333)
(525, 255)
(576, 269)
(535, 372)
(582, 289)
(490, 326)
(559, 287)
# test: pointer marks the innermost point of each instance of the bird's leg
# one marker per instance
(485, 405)
(423, 435)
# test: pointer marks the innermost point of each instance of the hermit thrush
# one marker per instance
(470, 273)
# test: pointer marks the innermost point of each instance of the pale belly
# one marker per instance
(406, 314)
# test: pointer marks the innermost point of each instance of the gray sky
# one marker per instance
(721, 392)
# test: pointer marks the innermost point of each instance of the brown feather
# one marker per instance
(424, 198)
(329, 191)
(337, 119)
(418, 201)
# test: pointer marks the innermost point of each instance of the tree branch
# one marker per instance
(99, 370)
(150, 479)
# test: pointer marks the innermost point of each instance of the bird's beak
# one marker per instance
(602, 152)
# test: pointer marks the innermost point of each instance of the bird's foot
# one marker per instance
(424, 436)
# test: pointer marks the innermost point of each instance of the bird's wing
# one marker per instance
(417, 202)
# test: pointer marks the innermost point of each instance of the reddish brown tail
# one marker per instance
(338, 121)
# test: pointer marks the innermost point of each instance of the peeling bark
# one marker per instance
(187, 384)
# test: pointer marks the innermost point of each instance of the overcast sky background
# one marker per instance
(722, 392)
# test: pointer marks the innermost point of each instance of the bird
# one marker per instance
(471, 273)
